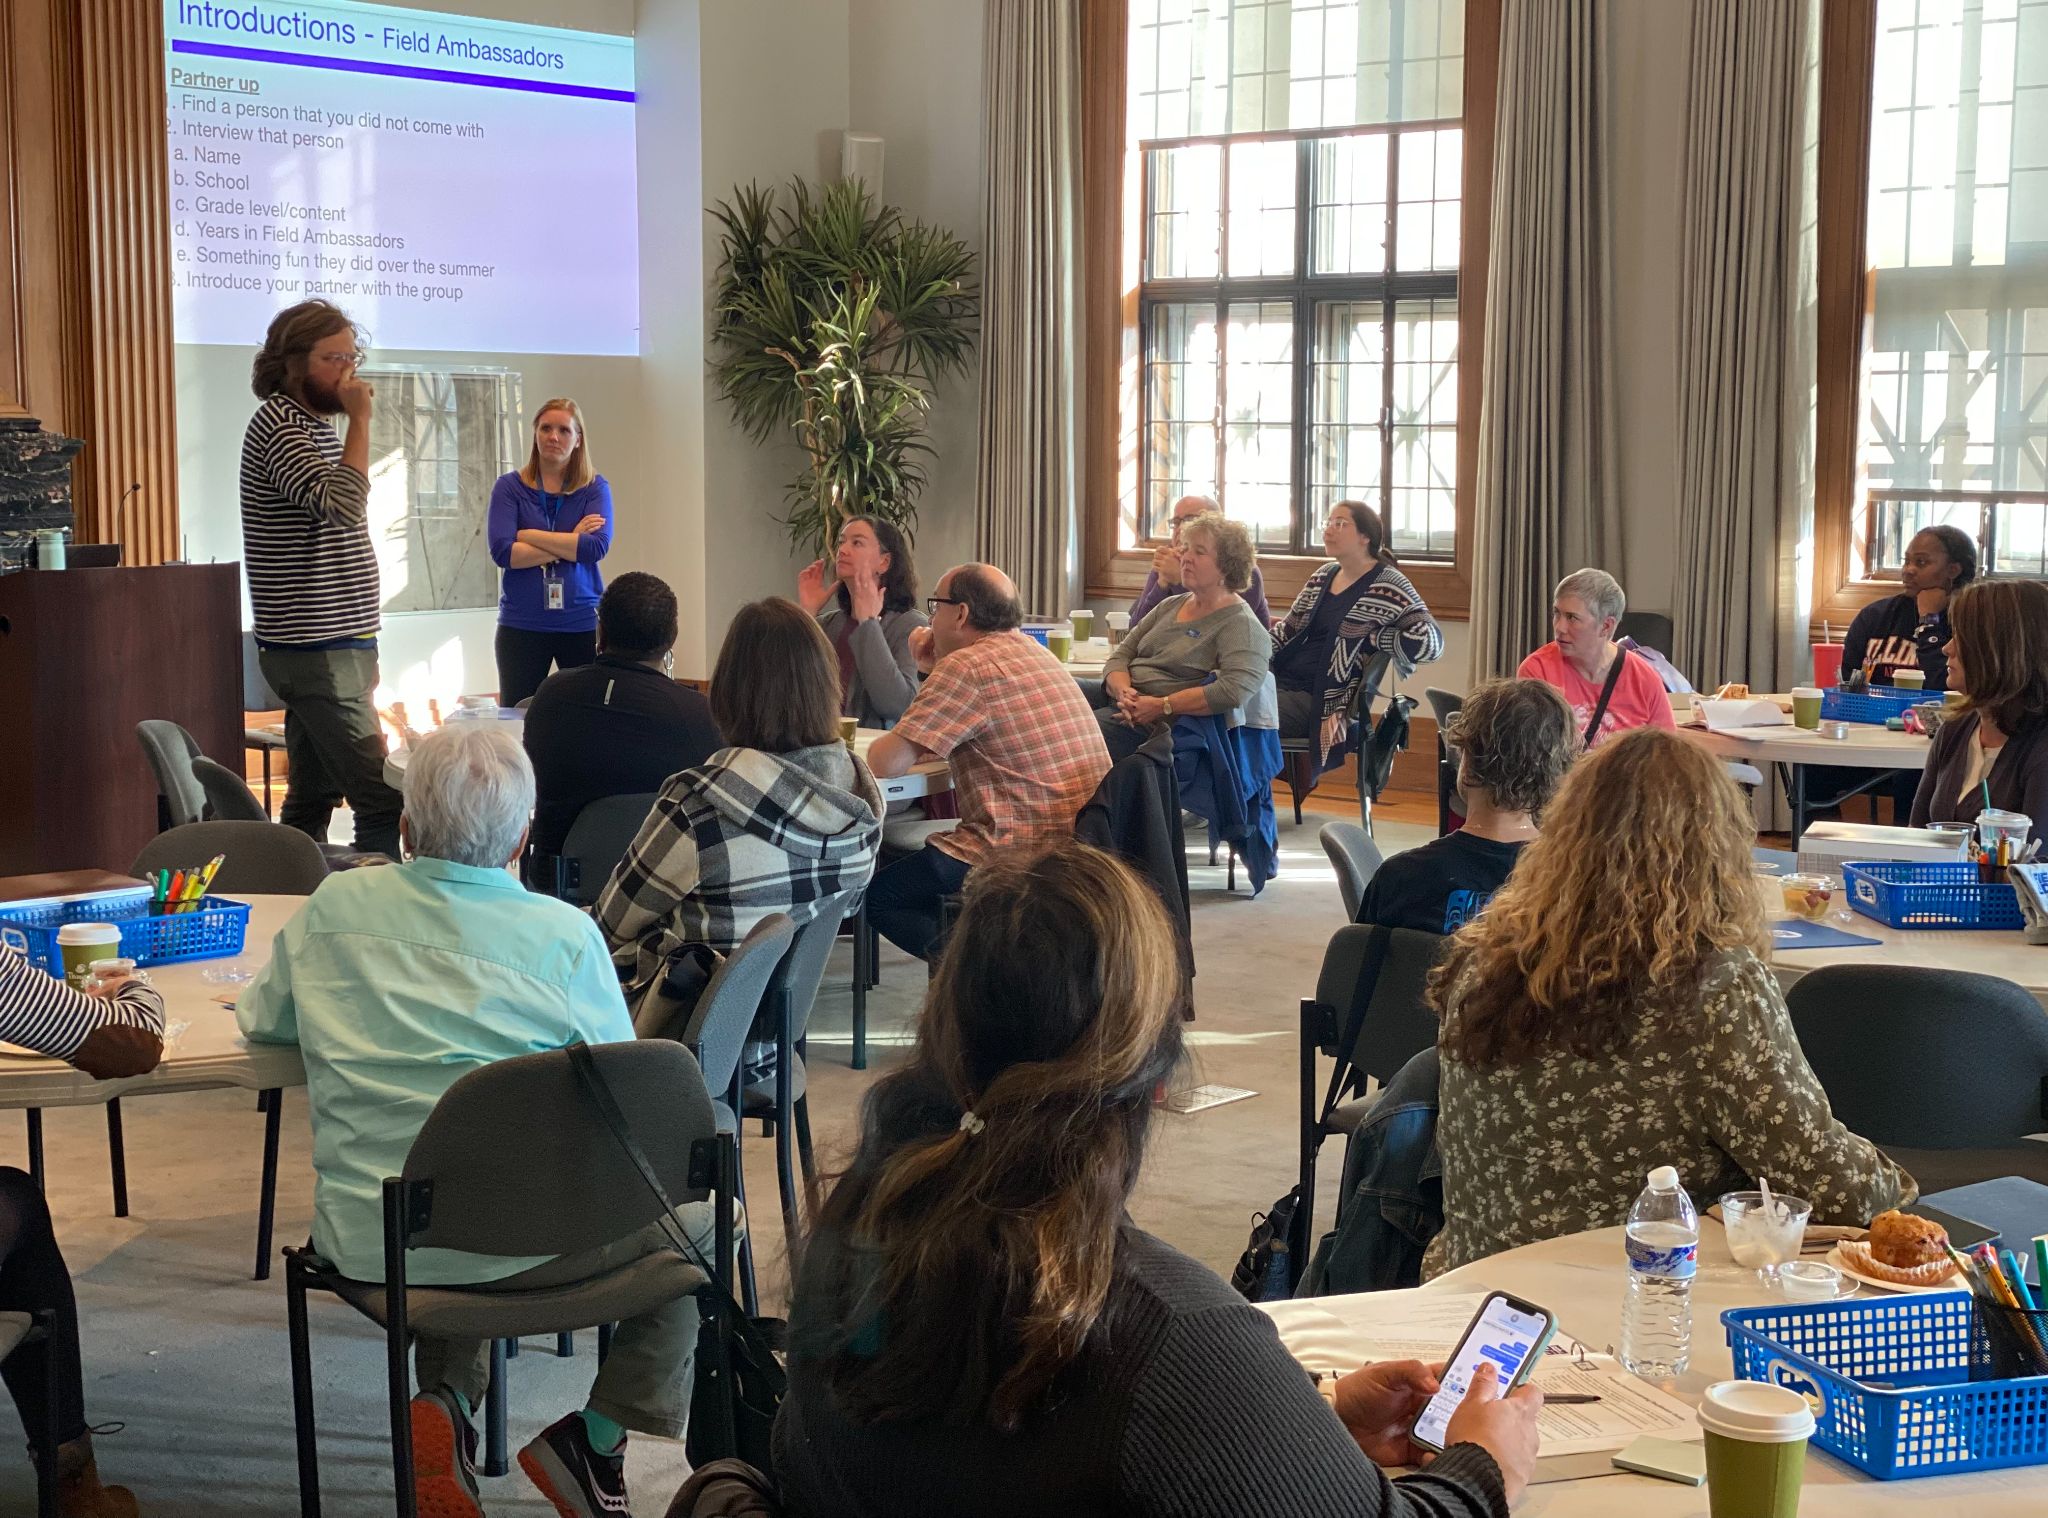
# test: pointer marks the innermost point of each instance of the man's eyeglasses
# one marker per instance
(333, 360)
(933, 603)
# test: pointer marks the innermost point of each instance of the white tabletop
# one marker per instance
(1580, 1279)
(209, 1052)
(2006, 955)
(1869, 746)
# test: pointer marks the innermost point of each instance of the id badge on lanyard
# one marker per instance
(549, 574)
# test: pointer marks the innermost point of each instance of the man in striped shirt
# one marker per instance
(312, 572)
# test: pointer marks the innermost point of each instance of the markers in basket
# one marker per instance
(2016, 1278)
(2041, 1262)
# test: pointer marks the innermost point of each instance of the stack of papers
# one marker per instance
(1418, 1325)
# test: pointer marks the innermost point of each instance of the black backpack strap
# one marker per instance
(1361, 998)
(1606, 692)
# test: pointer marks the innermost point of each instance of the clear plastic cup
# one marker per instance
(1763, 1235)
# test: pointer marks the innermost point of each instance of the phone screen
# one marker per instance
(1505, 1332)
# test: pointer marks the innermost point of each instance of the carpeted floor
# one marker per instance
(188, 1353)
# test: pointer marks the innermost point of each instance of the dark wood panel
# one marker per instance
(85, 655)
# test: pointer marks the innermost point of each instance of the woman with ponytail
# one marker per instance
(980, 1328)
(1351, 610)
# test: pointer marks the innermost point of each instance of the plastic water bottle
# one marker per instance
(1663, 1250)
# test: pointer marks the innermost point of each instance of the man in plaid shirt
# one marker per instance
(1025, 750)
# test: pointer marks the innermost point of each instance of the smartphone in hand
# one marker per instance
(1507, 1331)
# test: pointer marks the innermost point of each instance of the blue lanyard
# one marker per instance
(553, 505)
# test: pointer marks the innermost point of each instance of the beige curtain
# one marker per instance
(1026, 472)
(1543, 493)
(1745, 343)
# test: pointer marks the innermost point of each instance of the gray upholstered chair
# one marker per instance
(1444, 705)
(228, 797)
(260, 858)
(257, 696)
(572, 1188)
(170, 751)
(1356, 858)
(596, 842)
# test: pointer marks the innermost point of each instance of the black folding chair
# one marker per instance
(1370, 1016)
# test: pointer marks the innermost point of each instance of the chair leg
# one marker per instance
(398, 1392)
(748, 1298)
(35, 1146)
(805, 1155)
(604, 1342)
(861, 974)
(266, 1201)
(117, 1158)
(302, 1393)
(511, 1349)
(785, 1120)
(46, 1457)
(496, 1461)
(565, 1346)
(1230, 875)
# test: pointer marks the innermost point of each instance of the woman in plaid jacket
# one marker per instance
(778, 821)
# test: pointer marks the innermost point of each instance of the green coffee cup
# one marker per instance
(82, 945)
(1083, 621)
(1756, 1449)
(1806, 706)
(849, 728)
(1061, 641)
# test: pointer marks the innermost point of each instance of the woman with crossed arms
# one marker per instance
(550, 525)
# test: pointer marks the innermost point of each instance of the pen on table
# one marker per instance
(1568, 1399)
(177, 884)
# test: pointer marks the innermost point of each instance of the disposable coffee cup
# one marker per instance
(1806, 706)
(1756, 1449)
(1910, 679)
(1061, 641)
(83, 945)
(848, 727)
(1118, 623)
(1083, 620)
(1952, 699)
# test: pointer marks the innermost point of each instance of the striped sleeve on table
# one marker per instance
(42, 1013)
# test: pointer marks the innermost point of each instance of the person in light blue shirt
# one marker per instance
(396, 982)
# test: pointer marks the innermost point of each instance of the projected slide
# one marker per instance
(453, 183)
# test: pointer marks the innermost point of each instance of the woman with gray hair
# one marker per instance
(1610, 689)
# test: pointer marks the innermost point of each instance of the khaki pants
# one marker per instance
(644, 1383)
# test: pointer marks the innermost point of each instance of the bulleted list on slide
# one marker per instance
(455, 184)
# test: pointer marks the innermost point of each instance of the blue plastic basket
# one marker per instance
(1877, 705)
(1891, 1383)
(1900, 894)
(210, 929)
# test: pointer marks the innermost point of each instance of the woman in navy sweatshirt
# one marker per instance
(1909, 630)
(550, 524)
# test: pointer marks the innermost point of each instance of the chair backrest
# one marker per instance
(804, 970)
(597, 841)
(257, 696)
(261, 858)
(1652, 629)
(1443, 705)
(523, 1163)
(228, 796)
(718, 1024)
(1922, 1058)
(1357, 859)
(170, 751)
(1386, 972)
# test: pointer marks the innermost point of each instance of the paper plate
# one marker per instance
(1951, 1282)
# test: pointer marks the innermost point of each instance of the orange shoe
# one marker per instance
(443, 1458)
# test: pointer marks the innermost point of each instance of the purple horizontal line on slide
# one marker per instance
(398, 70)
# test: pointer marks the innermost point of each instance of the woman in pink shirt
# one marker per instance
(1581, 654)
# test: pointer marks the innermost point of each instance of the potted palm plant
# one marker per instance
(834, 317)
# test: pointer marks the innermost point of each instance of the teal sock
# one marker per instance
(605, 1436)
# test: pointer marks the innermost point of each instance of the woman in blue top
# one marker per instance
(550, 523)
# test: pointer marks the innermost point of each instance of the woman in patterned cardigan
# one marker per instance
(1352, 609)
(1612, 1011)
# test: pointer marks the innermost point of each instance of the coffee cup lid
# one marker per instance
(1806, 692)
(1755, 1413)
(88, 932)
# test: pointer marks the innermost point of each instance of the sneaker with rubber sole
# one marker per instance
(580, 1482)
(444, 1458)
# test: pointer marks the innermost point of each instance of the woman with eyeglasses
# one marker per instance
(550, 527)
(867, 604)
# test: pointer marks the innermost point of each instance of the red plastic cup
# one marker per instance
(1827, 664)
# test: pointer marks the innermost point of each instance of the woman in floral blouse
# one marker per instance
(1612, 1011)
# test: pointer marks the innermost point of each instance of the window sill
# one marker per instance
(1445, 587)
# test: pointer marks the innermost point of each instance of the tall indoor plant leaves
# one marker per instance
(834, 318)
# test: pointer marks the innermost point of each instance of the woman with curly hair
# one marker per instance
(1613, 1012)
(1514, 740)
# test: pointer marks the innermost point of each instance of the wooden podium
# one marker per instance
(85, 654)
